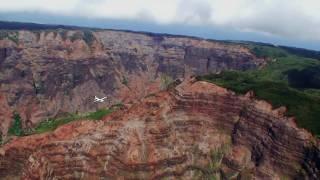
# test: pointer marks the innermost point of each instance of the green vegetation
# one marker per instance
(283, 177)
(11, 35)
(267, 52)
(85, 35)
(280, 83)
(3, 35)
(125, 81)
(165, 81)
(52, 124)
(216, 157)
(16, 127)
(99, 114)
(76, 36)
(88, 37)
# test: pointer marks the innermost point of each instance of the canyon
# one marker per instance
(170, 125)
(49, 73)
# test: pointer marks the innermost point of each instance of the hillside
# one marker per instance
(195, 130)
(288, 80)
(54, 72)
(177, 107)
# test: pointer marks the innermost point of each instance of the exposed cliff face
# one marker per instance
(51, 72)
(5, 112)
(195, 131)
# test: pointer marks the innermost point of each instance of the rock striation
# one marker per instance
(47, 73)
(196, 130)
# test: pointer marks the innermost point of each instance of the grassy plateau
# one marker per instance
(287, 80)
(52, 124)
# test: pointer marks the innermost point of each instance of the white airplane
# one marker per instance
(96, 99)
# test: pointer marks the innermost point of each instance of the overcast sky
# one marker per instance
(290, 22)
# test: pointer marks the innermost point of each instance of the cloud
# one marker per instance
(295, 19)
(193, 12)
(298, 19)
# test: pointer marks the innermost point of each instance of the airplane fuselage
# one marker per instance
(96, 99)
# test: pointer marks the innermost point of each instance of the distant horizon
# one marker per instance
(292, 23)
(149, 27)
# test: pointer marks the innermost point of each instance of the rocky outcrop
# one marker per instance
(47, 73)
(5, 112)
(274, 141)
(197, 130)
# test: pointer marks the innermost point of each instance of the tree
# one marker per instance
(16, 127)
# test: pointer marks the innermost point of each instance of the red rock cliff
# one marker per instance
(195, 131)
(52, 72)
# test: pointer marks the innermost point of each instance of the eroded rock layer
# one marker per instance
(195, 131)
(49, 73)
